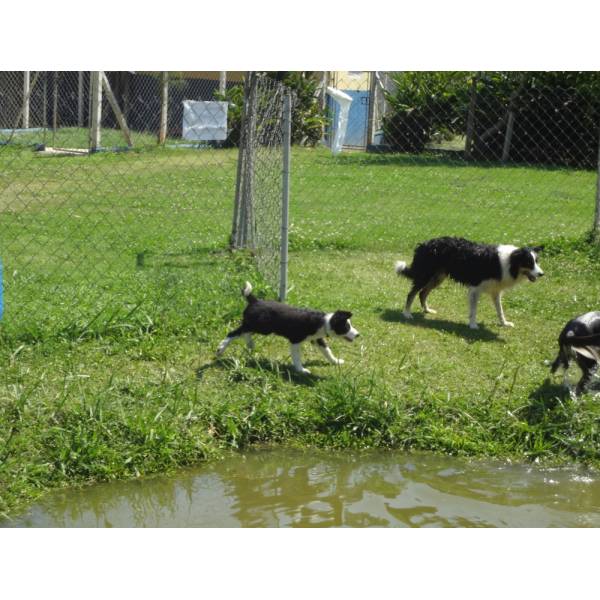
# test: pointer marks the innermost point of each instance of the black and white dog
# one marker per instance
(580, 339)
(296, 324)
(481, 267)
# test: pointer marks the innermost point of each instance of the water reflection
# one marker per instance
(287, 488)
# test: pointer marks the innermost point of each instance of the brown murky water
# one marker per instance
(291, 488)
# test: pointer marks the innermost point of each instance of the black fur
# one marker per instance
(464, 261)
(581, 332)
(267, 317)
(470, 264)
(297, 325)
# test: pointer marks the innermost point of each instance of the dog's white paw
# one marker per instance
(339, 362)
(473, 326)
(407, 315)
(430, 311)
(507, 324)
(303, 371)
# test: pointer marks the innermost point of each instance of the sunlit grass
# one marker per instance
(107, 363)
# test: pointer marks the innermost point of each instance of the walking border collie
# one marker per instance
(580, 339)
(484, 268)
(298, 325)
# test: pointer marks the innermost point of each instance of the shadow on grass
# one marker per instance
(236, 369)
(434, 157)
(459, 329)
(543, 400)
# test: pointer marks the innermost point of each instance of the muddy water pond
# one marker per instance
(293, 488)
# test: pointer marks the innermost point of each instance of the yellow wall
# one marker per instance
(350, 80)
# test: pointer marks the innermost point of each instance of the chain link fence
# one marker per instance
(469, 153)
(263, 178)
(115, 202)
(124, 189)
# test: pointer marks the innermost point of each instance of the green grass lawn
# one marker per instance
(107, 366)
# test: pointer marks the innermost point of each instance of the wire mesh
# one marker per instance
(499, 157)
(257, 224)
(86, 237)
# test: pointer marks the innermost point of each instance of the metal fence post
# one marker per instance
(247, 238)
(285, 194)
(236, 228)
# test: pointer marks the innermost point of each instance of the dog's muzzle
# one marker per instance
(351, 335)
(532, 276)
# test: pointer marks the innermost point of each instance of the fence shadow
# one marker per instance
(459, 329)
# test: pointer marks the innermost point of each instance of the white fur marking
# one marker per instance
(247, 289)
(297, 359)
(249, 341)
(400, 267)
(328, 354)
(352, 333)
(536, 268)
(223, 345)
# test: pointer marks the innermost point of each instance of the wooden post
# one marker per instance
(26, 95)
(55, 103)
(324, 84)
(115, 106)
(471, 118)
(372, 104)
(508, 135)
(45, 101)
(80, 99)
(285, 194)
(96, 111)
(164, 106)
(236, 229)
(126, 90)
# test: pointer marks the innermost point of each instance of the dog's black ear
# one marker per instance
(343, 315)
(538, 248)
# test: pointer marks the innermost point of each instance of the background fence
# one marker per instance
(145, 219)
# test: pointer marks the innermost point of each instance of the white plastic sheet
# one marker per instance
(204, 120)
(344, 101)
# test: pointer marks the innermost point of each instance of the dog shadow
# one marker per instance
(236, 369)
(459, 329)
(544, 399)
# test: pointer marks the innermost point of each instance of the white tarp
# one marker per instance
(341, 124)
(204, 120)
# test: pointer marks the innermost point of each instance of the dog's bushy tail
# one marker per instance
(583, 344)
(581, 340)
(402, 269)
(247, 293)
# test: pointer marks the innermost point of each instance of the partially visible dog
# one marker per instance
(580, 340)
(298, 325)
(482, 267)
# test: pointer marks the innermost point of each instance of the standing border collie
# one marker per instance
(481, 267)
(298, 325)
(580, 339)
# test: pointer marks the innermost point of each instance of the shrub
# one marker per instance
(425, 104)
(308, 119)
